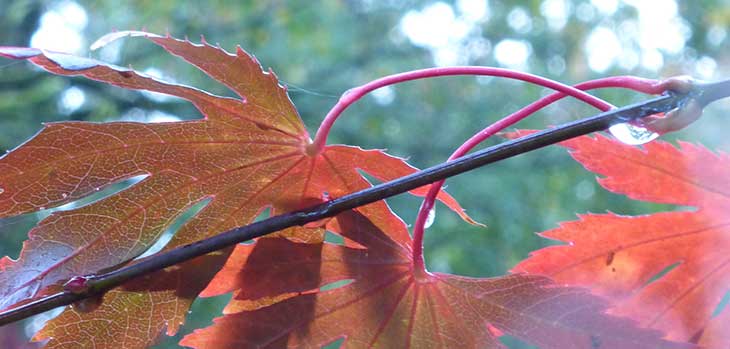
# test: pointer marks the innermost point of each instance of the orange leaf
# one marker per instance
(715, 334)
(619, 256)
(245, 155)
(385, 304)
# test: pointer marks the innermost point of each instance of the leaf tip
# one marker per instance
(18, 52)
(116, 35)
(240, 52)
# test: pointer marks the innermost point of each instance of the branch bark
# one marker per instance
(84, 287)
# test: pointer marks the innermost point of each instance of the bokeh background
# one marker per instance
(319, 49)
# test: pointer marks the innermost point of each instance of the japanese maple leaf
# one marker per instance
(620, 256)
(246, 154)
(388, 304)
(715, 333)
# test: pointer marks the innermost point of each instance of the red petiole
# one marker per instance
(642, 85)
(355, 94)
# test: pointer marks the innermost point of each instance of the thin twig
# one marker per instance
(96, 285)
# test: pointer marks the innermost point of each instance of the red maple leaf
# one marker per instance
(245, 155)
(387, 304)
(626, 258)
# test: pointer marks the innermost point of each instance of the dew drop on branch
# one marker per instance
(632, 134)
(430, 218)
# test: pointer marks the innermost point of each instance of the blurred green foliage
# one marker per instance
(322, 48)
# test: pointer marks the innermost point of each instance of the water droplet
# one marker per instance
(347, 93)
(64, 195)
(431, 217)
(632, 134)
(2, 190)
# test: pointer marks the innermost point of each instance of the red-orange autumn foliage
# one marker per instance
(386, 303)
(620, 257)
(248, 154)
(245, 155)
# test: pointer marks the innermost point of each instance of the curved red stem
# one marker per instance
(647, 86)
(353, 95)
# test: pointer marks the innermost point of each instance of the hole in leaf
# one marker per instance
(337, 239)
(264, 214)
(15, 228)
(178, 222)
(334, 345)
(685, 209)
(101, 193)
(200, 315)
(722, 305)
(368, 177)
(661, 274)
(515, 343)
(335, 285)
(334, 238)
